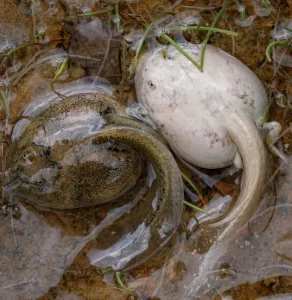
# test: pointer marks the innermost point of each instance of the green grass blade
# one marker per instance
(205, 42)
(121, 284)
(184, 53)
(284, 43)
(98, 12)
(265, 115)
(197, 208)
(202, 28)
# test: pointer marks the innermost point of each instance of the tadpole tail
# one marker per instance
(248, 141)
(162, 221)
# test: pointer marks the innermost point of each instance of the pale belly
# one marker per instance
(188, 105)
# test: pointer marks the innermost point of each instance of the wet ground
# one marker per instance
(45, 254)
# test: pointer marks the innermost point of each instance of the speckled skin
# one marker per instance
(84, 151)
(50, 170)
(47, 176)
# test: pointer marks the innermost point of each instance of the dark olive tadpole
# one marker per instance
(84, 151)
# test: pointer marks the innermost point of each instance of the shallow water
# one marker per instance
(52, 254)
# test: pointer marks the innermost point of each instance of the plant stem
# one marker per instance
(174, 44)
(98, 12)
(146, 32)
(118, 16)
(225, 271)
(265, 4)
(284, 43)
(60, 69)
(196, 208)
(203, 28)
(187, 179)
(121, 284)
(243, 15)
(149, 27)
(4, 95)
(12, 51)
(288, 29)
(283, 101)
(33, 2)
(265, 114)
(205, 42)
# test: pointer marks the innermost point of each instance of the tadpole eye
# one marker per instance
(151, 85)
(142, 112)
(39, 182)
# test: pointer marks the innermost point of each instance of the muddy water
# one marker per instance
(49, 254)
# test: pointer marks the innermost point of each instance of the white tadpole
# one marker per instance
(209, 117)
